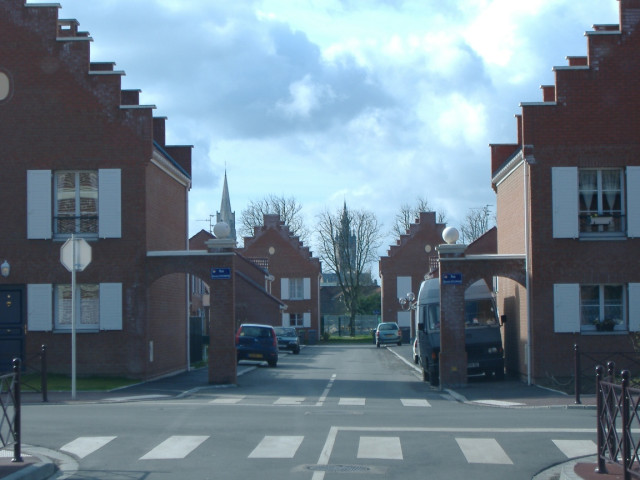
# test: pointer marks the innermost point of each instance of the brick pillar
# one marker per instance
(222, 346)
(453, 357)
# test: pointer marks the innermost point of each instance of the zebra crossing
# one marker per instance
(308, 401)
(390, 447)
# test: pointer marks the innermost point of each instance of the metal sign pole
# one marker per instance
(73, 318)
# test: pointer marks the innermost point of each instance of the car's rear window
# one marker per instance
(255, 332)
(286, 332)
(387, 326)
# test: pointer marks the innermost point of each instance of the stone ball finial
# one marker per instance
(221, 230)
(450, 235)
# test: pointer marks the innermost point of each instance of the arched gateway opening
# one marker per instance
(459, 271)
(218, 266)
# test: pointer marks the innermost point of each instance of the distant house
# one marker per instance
(404, 267)
(568, 198)
(295, 272)
(82, 157)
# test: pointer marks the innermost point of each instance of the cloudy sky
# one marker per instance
(372, 102)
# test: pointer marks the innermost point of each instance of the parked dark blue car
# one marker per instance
(258, 343)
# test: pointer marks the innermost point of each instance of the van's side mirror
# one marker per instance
(503, 319)
(421, 326)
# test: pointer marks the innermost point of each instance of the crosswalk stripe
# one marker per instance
(576, 448)
(176, 446)
(415, 402)
(277, 447)
(227, 400)
(483, 450)
(289, 401)
(387, 448)
(352, 401)
(83, 446)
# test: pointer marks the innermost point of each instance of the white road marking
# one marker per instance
(483, 450)
(323, 397)
(83, 446)
(576, 448)
(352, 401)
(387, 448)
(227, 400)
(499, 403)
(289, 401)
(277, 447)
(176, 446)
(415, 402)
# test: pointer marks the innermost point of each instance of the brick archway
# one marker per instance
(453, 357)
(222, 350)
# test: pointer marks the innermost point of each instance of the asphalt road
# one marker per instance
(328, 412)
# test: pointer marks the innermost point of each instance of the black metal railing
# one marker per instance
(585, 362)
(617, 407)
(10, 411)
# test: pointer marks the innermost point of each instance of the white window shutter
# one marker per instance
(109, 203)
(404, 318)
(286, 322)
(307, 288)
(40, 307)
(39, 212)
(564, 187)
(566, 308)
(306, 320)
(284, 289)
(110, 306)
(634, 307)
(403, 286)
(633, 201)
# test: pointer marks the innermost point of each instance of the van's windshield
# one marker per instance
(478, 313)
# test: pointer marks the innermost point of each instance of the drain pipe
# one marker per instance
(528, 161)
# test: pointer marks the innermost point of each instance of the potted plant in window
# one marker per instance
(596, 219)
(605, 325)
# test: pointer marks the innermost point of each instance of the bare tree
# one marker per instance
(408, 214)
(288, 209)
(348, 243)
(476, 223)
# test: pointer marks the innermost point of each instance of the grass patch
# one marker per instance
(62, 383)
(347, 340)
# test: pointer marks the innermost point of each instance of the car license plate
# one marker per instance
(255, 355)
(473, 365)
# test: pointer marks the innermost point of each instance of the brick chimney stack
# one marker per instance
(629, 15)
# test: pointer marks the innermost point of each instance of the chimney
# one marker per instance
(629, 15)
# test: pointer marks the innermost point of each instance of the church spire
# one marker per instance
(225, 214)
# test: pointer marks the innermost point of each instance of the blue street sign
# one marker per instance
(220, 273)
(452, 279)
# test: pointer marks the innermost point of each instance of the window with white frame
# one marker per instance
(82, 202)
(600, 197)
(87, 306)
(295, 288)
(75, 202)
(602, 307)
(296, 320)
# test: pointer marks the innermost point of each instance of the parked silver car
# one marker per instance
(388, 332)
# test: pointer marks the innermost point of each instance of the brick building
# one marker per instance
(568, 198)
(295, 272)
(82, 156)
(404, 267)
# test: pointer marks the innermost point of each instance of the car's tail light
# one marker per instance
(275, 339)
(238, 337)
